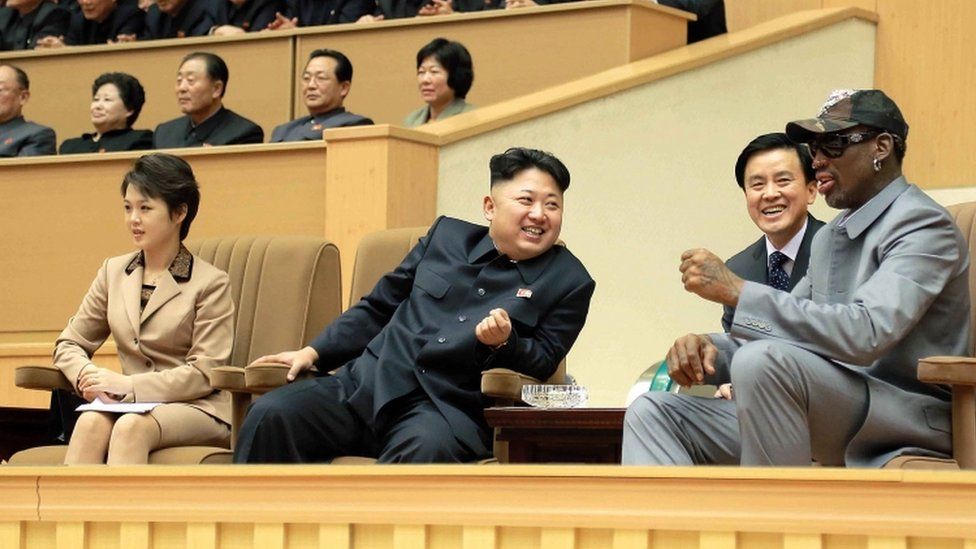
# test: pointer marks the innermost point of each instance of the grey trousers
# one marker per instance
(791, 406)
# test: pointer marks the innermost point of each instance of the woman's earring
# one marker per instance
(877, 164)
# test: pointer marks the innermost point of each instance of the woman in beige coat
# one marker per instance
(171, 316)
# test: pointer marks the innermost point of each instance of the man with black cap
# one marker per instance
(827, 372)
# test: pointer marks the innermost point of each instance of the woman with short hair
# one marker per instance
(117, 100)
(170, 314)
(444, 76)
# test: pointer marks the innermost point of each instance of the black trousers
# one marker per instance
(309, 421)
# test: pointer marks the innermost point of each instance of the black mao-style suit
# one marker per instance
(413, 338)
(225, 127)
(752, 264)
(22, 33)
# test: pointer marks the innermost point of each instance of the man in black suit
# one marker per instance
(200, 86)
(25, 22)
(777, 179)
(19, 137)
(104, 21)
(465, 299)
(182, 18)
(325, 84)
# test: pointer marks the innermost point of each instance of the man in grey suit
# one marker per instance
(325, 84)
(19, 137)
(777, 180)
(827, 373)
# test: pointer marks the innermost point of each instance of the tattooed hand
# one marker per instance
(703, 273)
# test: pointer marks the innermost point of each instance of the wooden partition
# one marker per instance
(924, 62)
(262, 76)
(484, 507)
(514, 53)
(64, 217)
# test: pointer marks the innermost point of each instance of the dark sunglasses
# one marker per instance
(834, 144)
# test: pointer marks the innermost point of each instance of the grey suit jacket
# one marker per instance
(884, 289)
(752, 264)
(309, 128)
(19, 137)
(421, 115)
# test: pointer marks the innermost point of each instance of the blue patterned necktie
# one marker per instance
(777, 275)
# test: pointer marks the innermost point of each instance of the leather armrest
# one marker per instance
(947, 370)
(43, 378)
(505, 383)
(261, 378)
(228, 378)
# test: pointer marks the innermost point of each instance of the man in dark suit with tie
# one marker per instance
(19, 137)
(827, 372)
(466, 298)
(200, 85)
(777, 179)
(325, 84)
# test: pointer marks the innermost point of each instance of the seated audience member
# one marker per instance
(19, 137)
(249, 16)
(200, 85)
(171, 316)
(444, 76)
(776, 177)
(466, 298)
(182, 18)
(24, 23)
(399, 9)
(311, 13)
(117, 100)
(105, 22)
(826, 373)
(325, 84)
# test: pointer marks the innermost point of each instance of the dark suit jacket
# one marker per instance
(22, 33)
(195, 19)
(223, 128)
(254, 15)
(328, 12)
(309, 128)
(115, 140)
(751, 264)
(19, 137)
(126, 18)
(416, 330)
(711, 17)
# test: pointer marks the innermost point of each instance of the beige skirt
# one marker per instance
(183, 425)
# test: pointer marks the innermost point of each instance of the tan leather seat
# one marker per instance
(285, 288)
(958, 372)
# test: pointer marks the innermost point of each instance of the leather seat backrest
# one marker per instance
(285, 289)
(380, 253)
(965, 216)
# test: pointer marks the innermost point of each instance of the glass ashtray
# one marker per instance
(554, 396)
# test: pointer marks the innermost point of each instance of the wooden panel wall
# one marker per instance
(554, 44)
(484, 507)
(65, 217)
(924, 62)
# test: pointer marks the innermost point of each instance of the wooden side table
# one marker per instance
(559, 435)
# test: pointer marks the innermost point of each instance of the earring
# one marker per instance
(877, 164)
